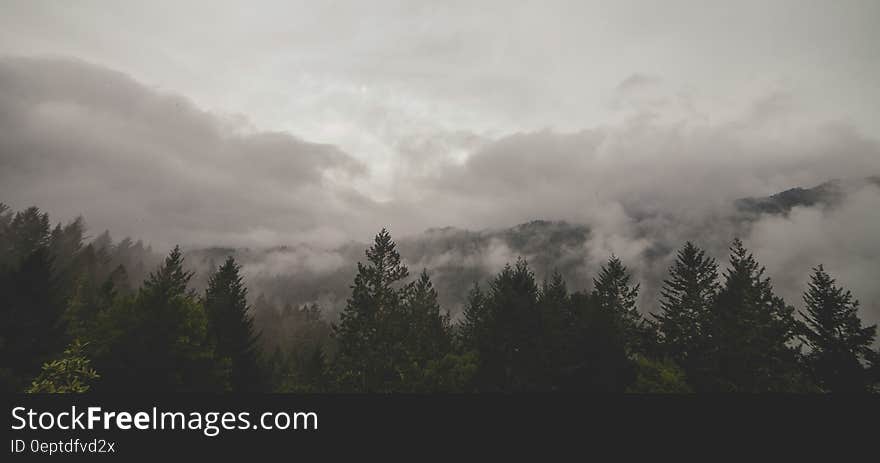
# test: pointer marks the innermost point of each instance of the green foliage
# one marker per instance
(293, 341)
(393, 336)
(158, 340)
(72, 373)
(451, 373)
(664, 377)
(303, 371)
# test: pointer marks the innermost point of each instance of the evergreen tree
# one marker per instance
(427, 329)
(158, 340)
(614, 293)
(65, 246)
(5, 238)
(313, 370)
(278, 370)
(472, 327)
(840, 347)
(103, 243)
(231, 328)
(557, 325)
(511, 355)
(454, 372)
(31, 324)
(686, 302)
(751, 332)
(88, 302)
(600, 360)
(28, 233)
(369, 338)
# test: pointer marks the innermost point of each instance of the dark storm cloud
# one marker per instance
(77, 138)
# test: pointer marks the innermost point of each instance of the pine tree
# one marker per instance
(473, 325)
(158, 340)
(28, 233)
(614, 293)
(65, 246)
(88, 302)
(557, 325)
(600, 359)
(840, 347)
(370, 326)
(510, 353)
(31, 325)
(5, 238)
(231, 328)
(751, 331)
(686, 308)
(427, 332)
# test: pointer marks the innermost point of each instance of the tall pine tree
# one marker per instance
(369, 330)
(557, 326)
(32, 303)
(752, 330)
(616, 294)
(840, 347)
(428, 332)
(511, 356)
(230, 327)
(686, 300)
(471, 329)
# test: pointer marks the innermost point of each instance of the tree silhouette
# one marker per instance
(686, 300)
(840, 347)
(230, 327)
(369, 330)
(751, 331)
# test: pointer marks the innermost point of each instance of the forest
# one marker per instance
(79, 314)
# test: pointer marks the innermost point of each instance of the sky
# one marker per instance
(373, 78)
(268, 123)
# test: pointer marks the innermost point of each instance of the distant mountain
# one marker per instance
(827, 194)
(456, 258)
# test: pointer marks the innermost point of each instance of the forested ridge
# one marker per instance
(71, 320)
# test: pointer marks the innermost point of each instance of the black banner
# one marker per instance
(179, 425)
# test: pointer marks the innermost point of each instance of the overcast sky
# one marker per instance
(270, 122)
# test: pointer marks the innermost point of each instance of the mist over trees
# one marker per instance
(81, 315)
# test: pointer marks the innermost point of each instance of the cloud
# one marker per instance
(78, 138)
(843, 239)
(638, 170)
